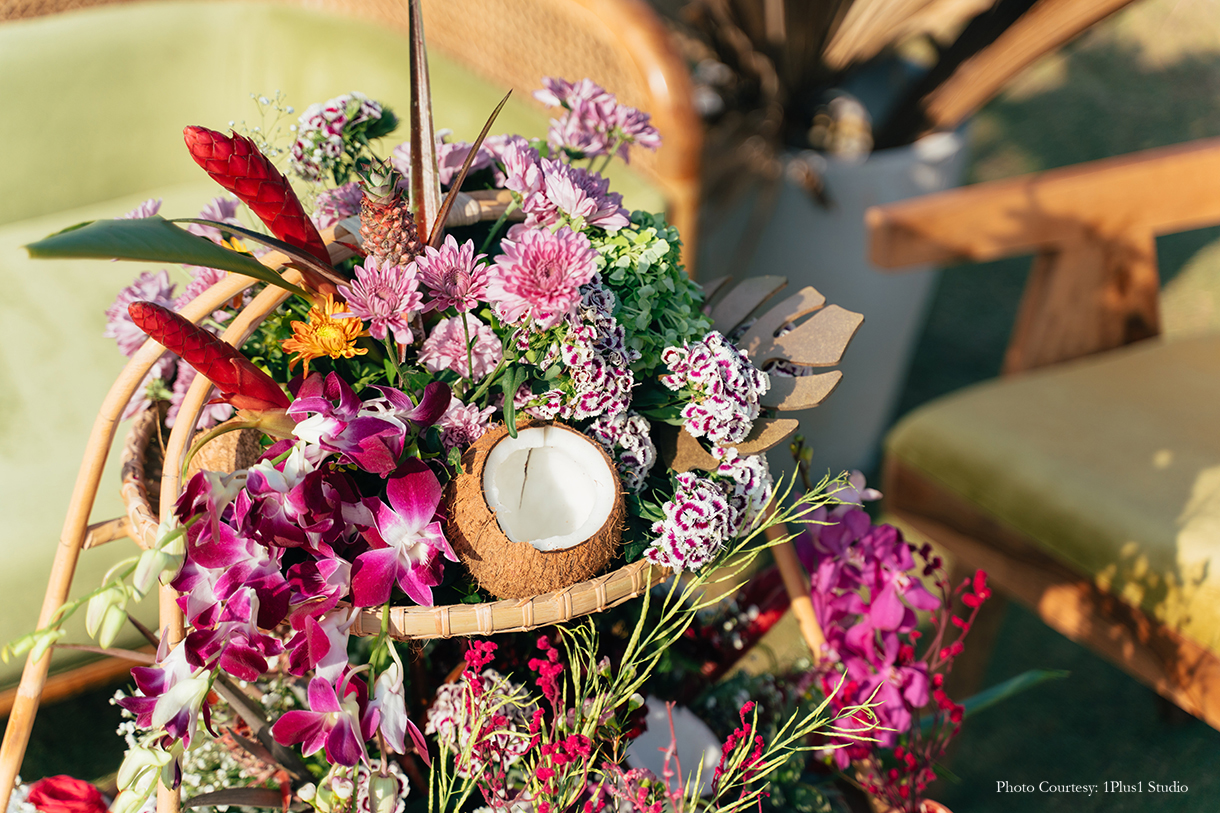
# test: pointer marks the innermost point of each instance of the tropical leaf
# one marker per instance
(298, 255)
(245, 797)
(425, 177)
(438, 233)
(151, 239)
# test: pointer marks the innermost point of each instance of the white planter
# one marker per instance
(828, 249)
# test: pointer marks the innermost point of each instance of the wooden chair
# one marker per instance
(1086, 481)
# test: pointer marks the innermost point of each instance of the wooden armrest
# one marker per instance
(1157, 191)
(1093, 228)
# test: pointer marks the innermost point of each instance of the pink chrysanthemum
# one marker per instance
(522, 164)
(148, 287)
(386, 296)
(463, 424)
(457, 277)
(337, 204)
(539, 274)
(445, 348)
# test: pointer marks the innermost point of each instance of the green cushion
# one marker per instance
(1111, 463)
(105, 94)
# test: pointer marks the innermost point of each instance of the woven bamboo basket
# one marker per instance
(142, 452)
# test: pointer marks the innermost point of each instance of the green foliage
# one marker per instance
(658, 305)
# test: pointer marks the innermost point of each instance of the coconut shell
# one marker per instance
(508, 569)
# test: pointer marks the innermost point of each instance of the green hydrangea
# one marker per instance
(658, 305)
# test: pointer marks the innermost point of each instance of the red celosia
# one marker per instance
(235, 163)
(240, 383)
(65, 794)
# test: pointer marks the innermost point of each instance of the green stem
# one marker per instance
(487, 382)
(618, 142)
(469, 350)
(495, 229)
(392, 354)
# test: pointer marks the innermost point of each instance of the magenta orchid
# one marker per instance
(340, 720)
(407, 541)
(370, 434)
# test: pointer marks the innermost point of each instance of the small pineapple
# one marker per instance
(386, 225)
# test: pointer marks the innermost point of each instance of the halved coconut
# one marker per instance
(535, 513)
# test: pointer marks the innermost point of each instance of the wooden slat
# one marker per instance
(75, 681)
(1175, 666)
(1158, 191)
(1048, 25)
(99, 533)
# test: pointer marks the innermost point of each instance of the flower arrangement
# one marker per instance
(459, 411)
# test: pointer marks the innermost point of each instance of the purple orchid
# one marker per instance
(338, 720)
(235, 644)
(321, 644)
(407, 541)
(173, 693)
(371, 434)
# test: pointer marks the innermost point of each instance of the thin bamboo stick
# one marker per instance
(797, 586)
(34, 676)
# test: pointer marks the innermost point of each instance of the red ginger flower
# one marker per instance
(237, 165)
(240, 383)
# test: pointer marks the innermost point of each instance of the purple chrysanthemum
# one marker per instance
(148, 287)
(457, 277)
(146, 209)
(220, 209)
(386, 296)
(450, 155)
(539, 274)
(594, 122)
(574, 194)
(333, 205)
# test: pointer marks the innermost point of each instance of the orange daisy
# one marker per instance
(324, 335)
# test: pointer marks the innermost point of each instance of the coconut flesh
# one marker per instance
(535, 513)
(549, 487)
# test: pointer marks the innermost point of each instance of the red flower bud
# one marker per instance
(237, 165)
(240, 383)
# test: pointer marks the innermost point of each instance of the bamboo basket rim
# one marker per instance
(414, 622)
